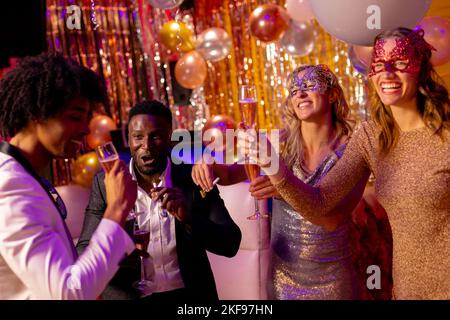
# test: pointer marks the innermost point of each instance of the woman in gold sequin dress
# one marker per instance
(406, 146)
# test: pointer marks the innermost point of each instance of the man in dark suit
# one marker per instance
(183, 225)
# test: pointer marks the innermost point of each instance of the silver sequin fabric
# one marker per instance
(309, 262)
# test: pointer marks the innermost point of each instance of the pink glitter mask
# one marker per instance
(317, 78)
(406, 56)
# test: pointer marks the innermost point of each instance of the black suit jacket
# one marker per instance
(211, 229)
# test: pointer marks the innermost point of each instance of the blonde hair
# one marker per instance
(432, 96)
(293, 149)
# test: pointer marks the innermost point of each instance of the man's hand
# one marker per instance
(262, 188)
(172, 200)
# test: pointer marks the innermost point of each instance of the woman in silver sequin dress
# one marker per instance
(312, 259)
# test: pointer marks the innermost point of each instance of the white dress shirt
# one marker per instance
(36, 253)
(162, 268)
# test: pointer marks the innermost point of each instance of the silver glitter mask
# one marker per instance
(317, 78)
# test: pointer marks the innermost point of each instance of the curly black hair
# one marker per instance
(39, 88)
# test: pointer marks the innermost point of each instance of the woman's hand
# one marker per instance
(262, 188)
(203, 175)
(259, 149)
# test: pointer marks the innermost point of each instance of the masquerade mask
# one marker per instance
(406, 56)
(315, 79)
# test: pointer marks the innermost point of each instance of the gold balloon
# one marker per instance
(84, 169)
(175, 35)
(190, 70)
(268, 22)
(100, 127)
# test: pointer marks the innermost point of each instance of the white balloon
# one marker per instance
(299, 10)
(299, 38)
(214, 44)
(356, 62)
(360, 21)
(165, 4)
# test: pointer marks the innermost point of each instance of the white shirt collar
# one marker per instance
(165, 179)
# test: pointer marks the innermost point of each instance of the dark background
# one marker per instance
(22, 29)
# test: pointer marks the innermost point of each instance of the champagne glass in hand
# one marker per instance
(247, 105)
(141, 236)
(107, 155)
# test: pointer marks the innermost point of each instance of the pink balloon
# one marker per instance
(191, 70)
(437, 33)
(364, 54)
(299, 10)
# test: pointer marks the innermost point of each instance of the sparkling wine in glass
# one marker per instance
(107, 155)
(141, 237)
(247, 106)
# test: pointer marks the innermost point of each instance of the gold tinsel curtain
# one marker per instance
(119, 39)
(108, 43)
(267, 64)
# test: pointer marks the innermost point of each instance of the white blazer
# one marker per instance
(36, 254)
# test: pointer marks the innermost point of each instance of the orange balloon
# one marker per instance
(268, 22)
(175, 35)
(216, 127)
(84, 169)
(190, 70)
(100, 127)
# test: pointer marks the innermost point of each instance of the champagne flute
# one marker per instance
(247, 105)
(141, 237)
(107, 155)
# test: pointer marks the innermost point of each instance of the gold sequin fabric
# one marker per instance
(309, 262)
(413, 185)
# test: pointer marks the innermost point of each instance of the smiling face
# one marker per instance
(310, 96)
(394, 72)
(149, 140)
(63, 134)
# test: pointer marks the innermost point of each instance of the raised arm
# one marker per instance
(34, 244)
(349, 172)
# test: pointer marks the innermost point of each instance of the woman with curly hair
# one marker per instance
(406, 146)
(311, 257)
(46, 104)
